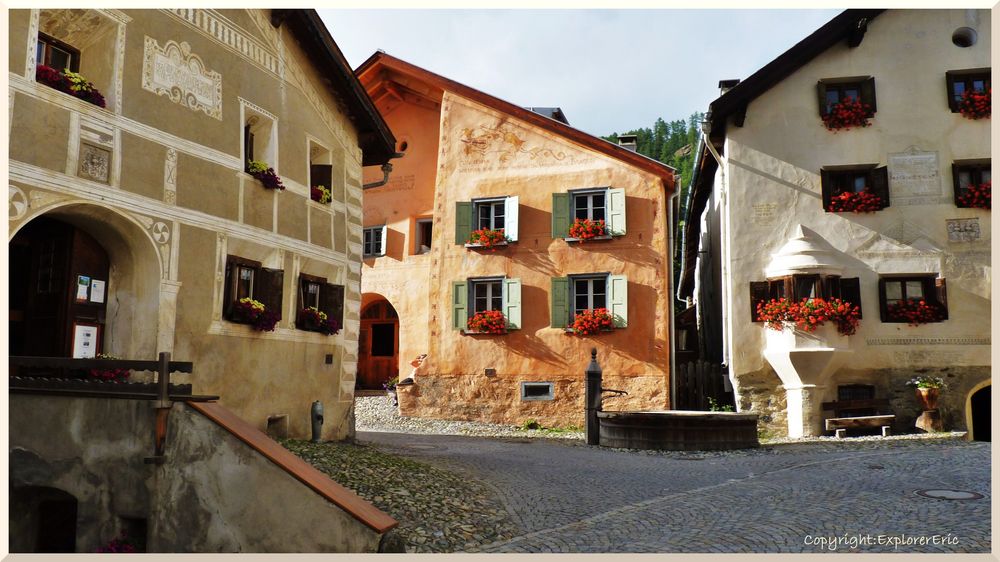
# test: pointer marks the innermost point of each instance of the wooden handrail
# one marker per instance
(67, 363)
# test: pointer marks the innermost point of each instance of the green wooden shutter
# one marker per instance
(880, 184)
(868, 94)
(560, 302)
(821, 93)
(616, 211)
(618, 297)
(463, 221)
(512, 303)
(560, 215)
(459, 306)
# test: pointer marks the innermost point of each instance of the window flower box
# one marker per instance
(915, 312)
(848, 113)
(856, 202)
(590, 322)
(808, 315)
(586, 229)
(977, 196)
(249, 311)
(487, 322)
(487, 238)
(315, 320)
(975, 104)
(69, 83)
(320, 194)
(265, 174)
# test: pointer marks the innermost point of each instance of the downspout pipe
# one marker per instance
(671, 300)
(386, 170)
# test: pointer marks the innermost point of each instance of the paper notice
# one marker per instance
(82, 287)
(84, 342)
(97, 291)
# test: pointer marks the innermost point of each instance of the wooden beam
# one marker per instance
(67, 363)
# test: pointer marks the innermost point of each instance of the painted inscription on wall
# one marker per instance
(914, 178)
(173, 71)
(764, 214)
(963, 230)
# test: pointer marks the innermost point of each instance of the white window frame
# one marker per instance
(264, 126)
(590, 278)
(494, 204)
(418, 241)
(589, 194)
(489, 282)
(369, 243)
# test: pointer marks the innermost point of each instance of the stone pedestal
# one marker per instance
(930, 421)
(805, 415)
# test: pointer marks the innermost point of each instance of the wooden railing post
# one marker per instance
(163, 405)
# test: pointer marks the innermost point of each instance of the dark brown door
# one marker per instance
(378, 360)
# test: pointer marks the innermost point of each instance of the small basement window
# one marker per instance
(537, 391)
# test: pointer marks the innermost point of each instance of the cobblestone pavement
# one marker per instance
(796, 497)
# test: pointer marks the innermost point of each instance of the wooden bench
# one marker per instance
(856, 414)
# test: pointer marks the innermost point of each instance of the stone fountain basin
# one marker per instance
(678, 430)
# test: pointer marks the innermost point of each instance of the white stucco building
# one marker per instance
(758, 224)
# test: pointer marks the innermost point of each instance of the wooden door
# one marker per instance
(378, 358)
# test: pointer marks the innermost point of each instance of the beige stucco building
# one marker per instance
(135, 227)
(759, 224)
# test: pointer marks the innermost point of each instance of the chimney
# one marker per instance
(628, 141)
(726, 85)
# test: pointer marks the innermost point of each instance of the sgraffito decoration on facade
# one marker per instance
(502, 141)
(95, 163)
(17, 203)
(963, 230)
(170, 177)
(173, 71)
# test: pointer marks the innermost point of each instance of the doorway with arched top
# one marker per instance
(378, 345)
(978, 412)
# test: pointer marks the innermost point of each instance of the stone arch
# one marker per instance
(43, 519)
(969, 418)
(134, 327)
(378, 341)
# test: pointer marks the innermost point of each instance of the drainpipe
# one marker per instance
(386, 170)
(671, 298)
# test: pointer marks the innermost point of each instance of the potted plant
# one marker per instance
(110, 375)
(978, 196)
(311, 318)
(975, 104)
(847, 113)
(249, 311)
(390, 390)
(69, 83)
(487, 238)
(809, 314)
(320, 194)
(863, 201)
(265, 174)
(915, 311)
(590, 322)
(487, 322)
(586, 229)
(928, 389)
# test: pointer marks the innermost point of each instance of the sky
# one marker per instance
(609, 70)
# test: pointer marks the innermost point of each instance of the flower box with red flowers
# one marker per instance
(487, 238)
(809, 314)
(590, 322)
(265, 175)
(110, 375)
(915, 312)
(319, 194)
(863, 201)
(977, 196)
(315, 320)
(585, 229)
(249, 311)
(846, 114)
(975, 104)
(487, 322)
(69, 83)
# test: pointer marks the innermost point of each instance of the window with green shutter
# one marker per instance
(591, 204)
(493, 213)
(559, 296)
(476, 295)
(577, 293)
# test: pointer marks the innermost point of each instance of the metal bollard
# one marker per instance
(593, 399)
(317, 420)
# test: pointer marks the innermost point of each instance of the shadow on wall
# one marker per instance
(642, 316)
(395, 244)
(524, 342)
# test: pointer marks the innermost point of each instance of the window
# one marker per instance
(374, 242)
(248, 279)
(798, 287)
(928, 288)
(55, 54)
(493, 213)
(576, 293)
(320, 172)
(961, 81)
(537, 391)
(836, 90)
(423, 236)
(605, 203)
(837, 180)
(325, 297)
(966, 173)
(259, 136)
(488, 293)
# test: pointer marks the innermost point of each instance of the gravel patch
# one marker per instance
(437, 510)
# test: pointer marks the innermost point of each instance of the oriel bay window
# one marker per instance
(315, 292)
(843, 184)
(592, 204)
(809, 286)
(576, 293)
(924, 295)
(494, 214)
(248, 279)
(482, 294)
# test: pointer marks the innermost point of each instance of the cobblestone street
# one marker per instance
(793, 497)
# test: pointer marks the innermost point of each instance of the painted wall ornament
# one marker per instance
(173, 71)
(502, 140)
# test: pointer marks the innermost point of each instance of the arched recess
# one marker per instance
(378, 342)
(137, 278)
(977, 409)
(42, 519)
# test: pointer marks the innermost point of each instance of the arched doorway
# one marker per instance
(42, 519)
(59, 281)
(979, 414)
(378, 345)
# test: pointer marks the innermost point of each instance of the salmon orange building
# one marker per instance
(499, 231)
